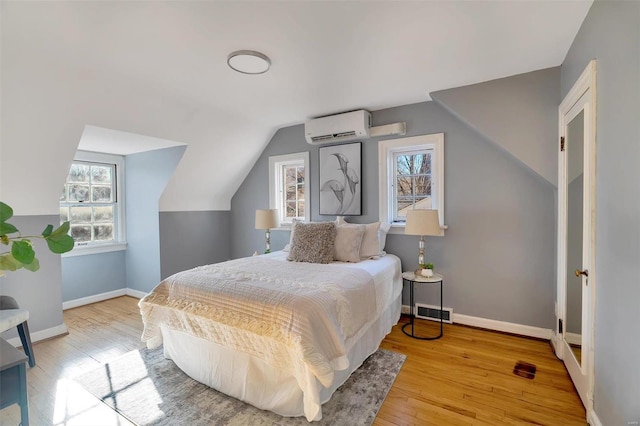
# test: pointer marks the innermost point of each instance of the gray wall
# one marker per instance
(611, 34)
(147, 174)
(190, 239)
(91, 274)
(40, 292)
(498, 253)
(518, 113)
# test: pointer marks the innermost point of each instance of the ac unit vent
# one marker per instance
(433, 313)
(333, 136)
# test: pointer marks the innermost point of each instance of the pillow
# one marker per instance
(375, 232)
(382, 234)
(348, 242)
(312, 242)
(370, 244)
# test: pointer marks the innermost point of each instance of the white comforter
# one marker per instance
(311, 313)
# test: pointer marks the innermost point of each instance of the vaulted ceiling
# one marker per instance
(159, 69)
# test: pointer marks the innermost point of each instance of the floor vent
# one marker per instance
(524, 369)
(433, 313)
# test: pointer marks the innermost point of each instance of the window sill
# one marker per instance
(398, 228)
(95, 249)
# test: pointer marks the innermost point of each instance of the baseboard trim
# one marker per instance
(93, 299)
(136, 293)
(103, 296)
(507, 327)
(592, 418)
(37, 336)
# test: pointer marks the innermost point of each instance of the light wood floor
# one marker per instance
(464, 378)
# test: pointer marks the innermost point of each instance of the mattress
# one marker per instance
(293, 372)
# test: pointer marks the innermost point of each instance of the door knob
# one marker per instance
(579, 272)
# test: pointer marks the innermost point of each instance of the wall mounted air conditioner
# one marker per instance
(338, 128)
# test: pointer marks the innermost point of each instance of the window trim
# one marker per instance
(275, 191)
(119, 242)
(386, 149)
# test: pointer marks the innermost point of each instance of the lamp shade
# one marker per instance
(422, 222)
(266, 219)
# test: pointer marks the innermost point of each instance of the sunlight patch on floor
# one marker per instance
(75, 406)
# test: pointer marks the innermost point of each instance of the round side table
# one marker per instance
(412, 279)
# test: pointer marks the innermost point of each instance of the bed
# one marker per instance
(279, 335)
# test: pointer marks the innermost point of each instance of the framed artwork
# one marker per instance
(340, 180)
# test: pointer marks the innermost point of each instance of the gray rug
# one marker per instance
(150, 390)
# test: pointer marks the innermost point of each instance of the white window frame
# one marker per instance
(119, 242)
(276, 190)
(386, 151)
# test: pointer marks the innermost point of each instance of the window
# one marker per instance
(92, 201)
(411, 172)
(289, 186)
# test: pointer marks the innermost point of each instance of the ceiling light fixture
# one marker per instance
(248, 62)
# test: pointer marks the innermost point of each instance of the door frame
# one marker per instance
(583, 374)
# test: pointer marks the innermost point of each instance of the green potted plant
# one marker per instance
(425, 270)
(21, 253)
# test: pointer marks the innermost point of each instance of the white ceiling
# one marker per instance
(326, 57)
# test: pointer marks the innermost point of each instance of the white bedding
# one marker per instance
(302, 320)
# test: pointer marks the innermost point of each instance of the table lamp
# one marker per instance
(267, 219)
(422, 222)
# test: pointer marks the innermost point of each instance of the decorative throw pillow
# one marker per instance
(312, 242)
(348, 242)
(376, 231)
(382, 234)
(370, 246)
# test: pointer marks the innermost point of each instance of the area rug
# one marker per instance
(151, 390)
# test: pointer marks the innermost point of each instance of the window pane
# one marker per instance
(81, 215)
(405, 204)
(289, 175)
(300, 175)
(64, 214)
(291, 193)
(101, 194)
(404, 164)
(404, 186)
(81, 233)
(78, 192)
(422, 185)
(103, 214)
(300, 192)
(103, 232)
(100, 174)
(291, 209)
(79, 173)
(402, 206)
(301, 209)
(427, 168)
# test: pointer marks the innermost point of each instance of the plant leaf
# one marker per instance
(22, 251)
(60, 230)
(5, 212)
(60, 243)
(9, 263)
(7, 228)
(33, 266)
(47, 231)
